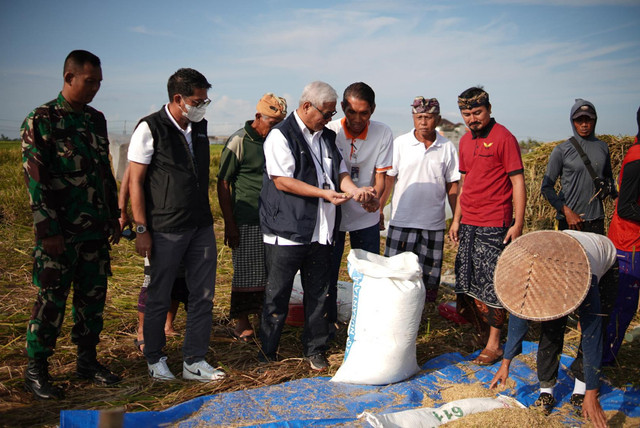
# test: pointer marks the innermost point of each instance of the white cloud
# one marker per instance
(141, 29)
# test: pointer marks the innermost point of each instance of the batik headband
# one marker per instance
(422, 105)
(482, 99)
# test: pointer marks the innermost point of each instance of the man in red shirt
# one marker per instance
(490, 213)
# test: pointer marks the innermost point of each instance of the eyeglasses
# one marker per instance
(200, 104)
(326, 116)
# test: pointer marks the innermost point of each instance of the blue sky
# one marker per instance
(534, 57)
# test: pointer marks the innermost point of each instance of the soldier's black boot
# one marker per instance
(88, 367)
(38, 381)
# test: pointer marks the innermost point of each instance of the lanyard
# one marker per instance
(319, 161)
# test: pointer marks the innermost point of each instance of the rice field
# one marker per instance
(137, 392)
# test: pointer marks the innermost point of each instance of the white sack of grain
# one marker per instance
(427, 417)
(388, 298)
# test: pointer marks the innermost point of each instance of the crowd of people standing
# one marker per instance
(291, 187)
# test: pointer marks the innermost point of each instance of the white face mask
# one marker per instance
(194, 114)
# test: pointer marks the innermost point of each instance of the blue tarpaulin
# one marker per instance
(318, 402)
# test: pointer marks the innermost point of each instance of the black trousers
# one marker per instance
(283, 261)
(552, 332)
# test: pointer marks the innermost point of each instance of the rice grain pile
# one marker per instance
(507, 418)
(461, 391)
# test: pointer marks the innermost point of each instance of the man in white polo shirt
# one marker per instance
(366, 149)
(425, 172)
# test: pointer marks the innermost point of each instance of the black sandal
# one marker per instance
(139, 344)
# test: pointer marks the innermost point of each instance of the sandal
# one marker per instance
(139, 345)
(488, 357)
(241, 338)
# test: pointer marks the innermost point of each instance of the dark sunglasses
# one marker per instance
(326, 116)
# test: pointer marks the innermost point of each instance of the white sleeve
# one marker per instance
(395, 159)
(385, 157)
(278, 158)
(343, 167)
(600, 251)
(141, 145)
(453, 167)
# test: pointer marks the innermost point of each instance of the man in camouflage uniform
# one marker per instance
(73, 195)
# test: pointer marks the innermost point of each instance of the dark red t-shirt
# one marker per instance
(487, 160)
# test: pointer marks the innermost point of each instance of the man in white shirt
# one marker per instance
(169, 186)
(425, 173)
(299, 215)
(366, 147)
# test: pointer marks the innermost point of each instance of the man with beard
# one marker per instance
(489, 214)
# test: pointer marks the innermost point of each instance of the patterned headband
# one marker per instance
(422, 105)
(482, 99)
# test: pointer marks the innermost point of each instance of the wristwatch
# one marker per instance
(141, 228)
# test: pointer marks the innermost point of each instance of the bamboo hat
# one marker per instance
(542, 275)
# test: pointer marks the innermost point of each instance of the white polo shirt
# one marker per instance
(280, 162)
(141, 143)
(364, 156)
(600, 251)
(420, 192)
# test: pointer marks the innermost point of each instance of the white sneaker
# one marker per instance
(160, 370)
(202, 371)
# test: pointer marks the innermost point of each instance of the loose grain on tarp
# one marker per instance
(459, 391)
(507, 418)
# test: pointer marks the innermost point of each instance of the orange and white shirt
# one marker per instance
(365, 155)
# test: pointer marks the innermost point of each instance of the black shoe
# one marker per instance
(38, 382)
(96, 372)
(318, 362)
(545, 403)
(576, 400)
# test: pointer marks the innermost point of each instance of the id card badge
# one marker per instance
(355, 173)
(326, 186)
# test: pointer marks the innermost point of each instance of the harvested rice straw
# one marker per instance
(529, 359)
(510, 383)
(507, 418)
(465, 390)
(469, 372)
(618, 419)
(427, 402)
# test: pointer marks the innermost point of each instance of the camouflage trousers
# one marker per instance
(86, 265)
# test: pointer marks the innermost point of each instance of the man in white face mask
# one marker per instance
(169, 181)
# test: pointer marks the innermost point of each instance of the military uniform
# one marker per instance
(73, 193)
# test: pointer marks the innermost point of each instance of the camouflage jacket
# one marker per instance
(65, 157)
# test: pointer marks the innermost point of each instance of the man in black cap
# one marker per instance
(577, 205)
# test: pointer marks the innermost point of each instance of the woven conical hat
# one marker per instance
(542, 275)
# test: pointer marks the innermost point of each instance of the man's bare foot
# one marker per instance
(243, 335)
